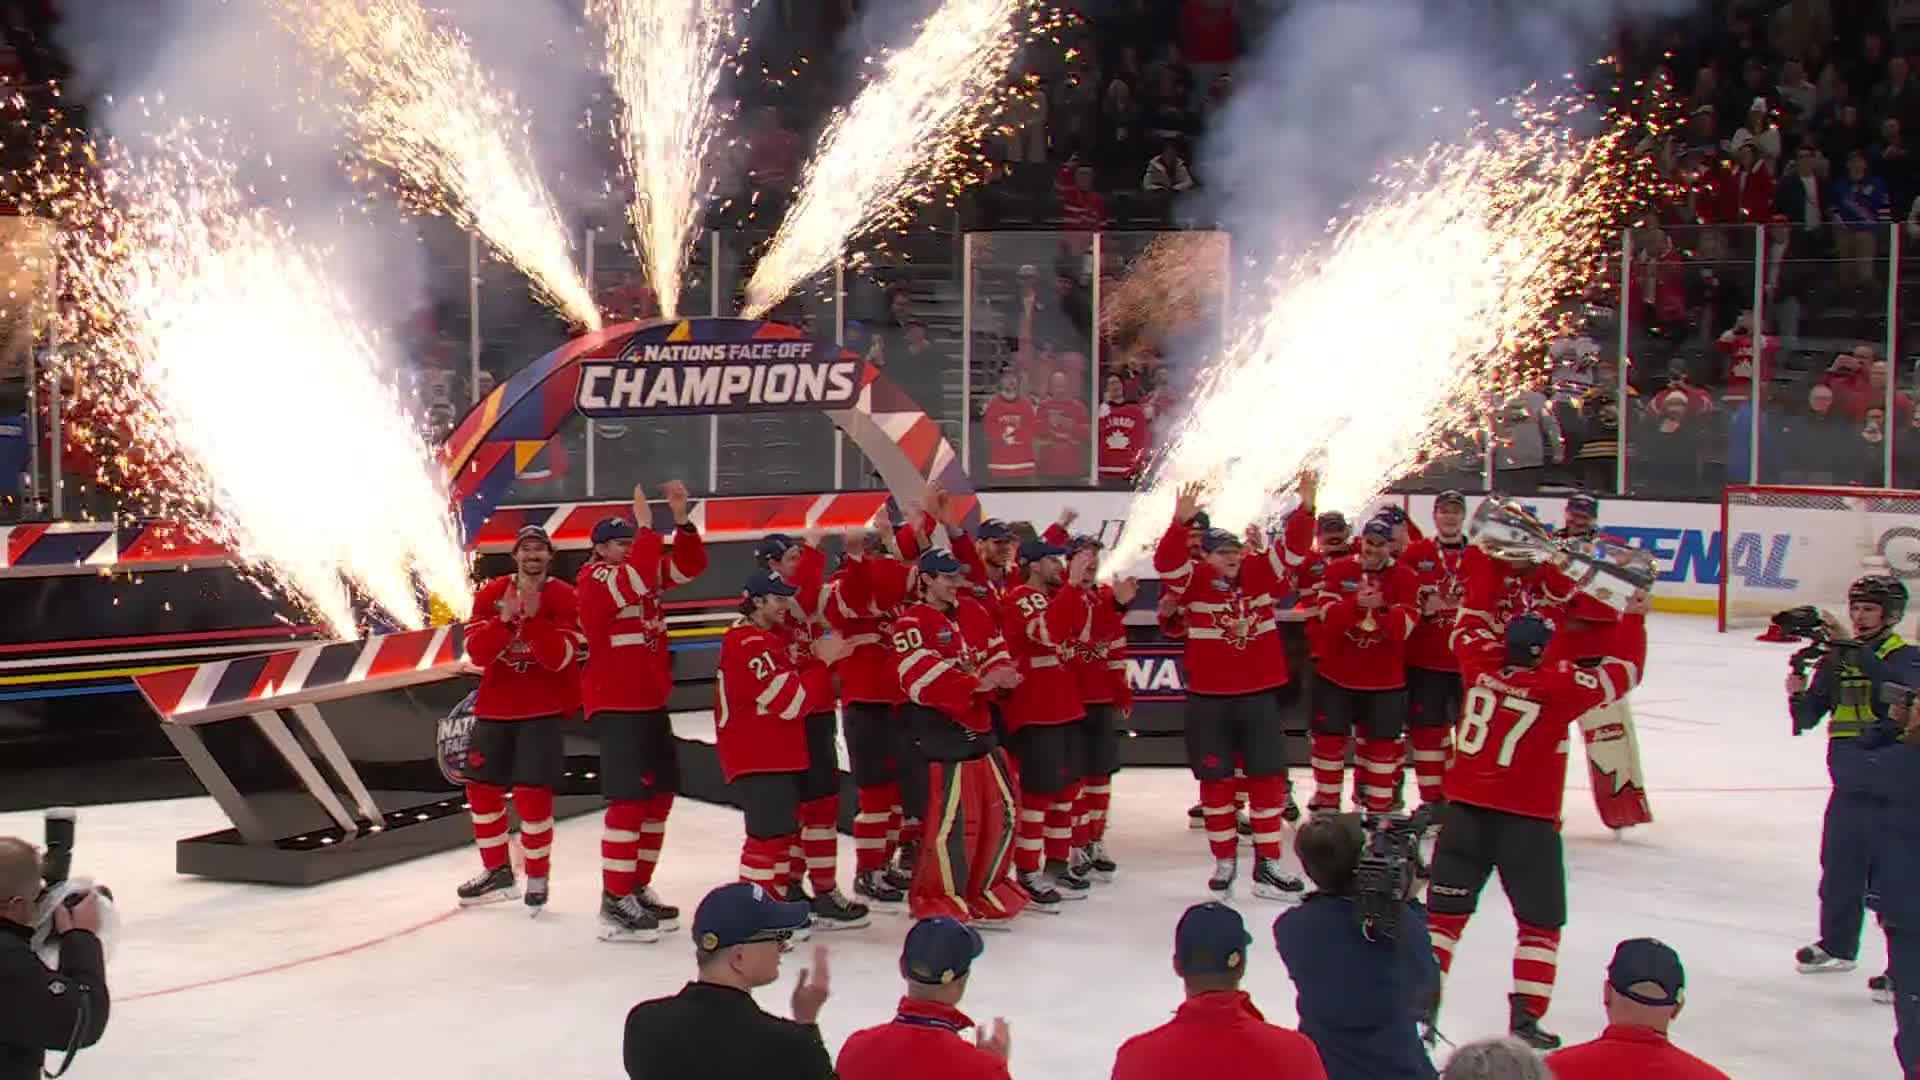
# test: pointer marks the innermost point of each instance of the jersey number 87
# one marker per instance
(1483, 704)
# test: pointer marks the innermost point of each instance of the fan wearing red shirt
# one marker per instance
(1062, 452)
(1433, 675)
(1367, 612)
(952, 661)
(1643, 994)
(524, 636)
(1742, 367)
(1011, 427)
(1125, 435)
(763, 694)
(624, 687)
(1234, 663)
(1505, 790)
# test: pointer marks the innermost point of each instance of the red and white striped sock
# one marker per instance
(1029, 843)
(760, 859)
(1082, 817)
(1216, 804)
(1379, 761)
(1430, 760)
(870, 828)
(653, 835)
(1240, 799)
(896, 819)
(487, 805)
(1535, 960)
(620, 845)
(1059, 827)
(1444, 931)
(1099, 796)
(1269, 796)
(821, 843)
(1329, 770)
(536, 827)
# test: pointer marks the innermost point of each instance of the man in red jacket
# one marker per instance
(1216, 1033)
(624, 687)
(1643, 994)
(923, 1040)
(952, 660)
(762, 695)
(524, 636)
(1366, 614)
(1234, 664)
(1433, 674)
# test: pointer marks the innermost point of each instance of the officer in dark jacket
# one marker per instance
(1847, 692)
(1360, 1000)
(1884, 768)
(712, 1029)
(43, 1010)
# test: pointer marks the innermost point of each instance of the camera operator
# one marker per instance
(43, 1010)
(1361, 996)
(1847, 689)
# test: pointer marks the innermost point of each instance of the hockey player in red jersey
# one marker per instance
(1041, 622)
(1505, 789)
(1366, 615)
(989, 557)
(1433, 675)
(624, 684)
(1100, 666)
(763, 695)
(524, 636)
(1234, 662)
(951, 661)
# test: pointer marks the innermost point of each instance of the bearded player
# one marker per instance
(1505, 790)
(1433, 674)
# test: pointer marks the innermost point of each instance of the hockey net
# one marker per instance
(1782, 546)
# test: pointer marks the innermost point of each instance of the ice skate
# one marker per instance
(1526, 1027)
(1290, 813)
(1101, 864)
(1041, 894)
(873, 886)
(488, 887)
(666, 915)
(1220, 885)
(623, 919)
(833, 911)
(1272, 883)
(1068, 881)
(1196, 817)
(797, 894)
(1881, 987)
(536, 895)
(1243, 825)
(900, 874)
(1814, 960)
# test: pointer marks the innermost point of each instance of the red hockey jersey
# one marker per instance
(1010, 429)
(628, 666)
(1125, 440)
(990, 583)
(1306, 567)
(864, 597)
(1100, 657)
(761, 699)
(1437, 570)
(1233, 640)
(1510, 749)
(1062, 446)
(940, 656)
(1352, 655)
(527, 664)
(1042, 637)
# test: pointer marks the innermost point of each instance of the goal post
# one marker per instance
(1782, 545)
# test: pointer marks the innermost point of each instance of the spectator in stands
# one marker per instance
(1121, 147)
(1010, 426)
(1074, 308)
(1082, 209)
(1798, 196)
(1168, 116)
(1702, 135)
(1061, 450)
(1873, 395)
(1797, 95)
(1661, 286)
(1167, 172)
(1596, 461)
(1898, 96)
(1906, 454)
(1758, 129)
(1746, 190)
(1846, 134)
(1125, 435)
(1210, 39)
(1847, 377)
(1820, 442)
(1665, 456)
(1870, 467)
(1742, 370)
(920, 369)
(1527, 441)
(773, 157)
(1892, 161)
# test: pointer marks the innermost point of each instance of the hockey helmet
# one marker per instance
(1527, 638)
(1882, 589)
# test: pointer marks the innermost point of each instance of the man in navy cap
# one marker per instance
(1216, 1031)
(988, 555)
(713, 1028)
(1644, 992)
(923, 1040)
(1582, 517)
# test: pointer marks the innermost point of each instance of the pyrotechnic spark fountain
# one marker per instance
(1419, 314)
(425, 108)
(665, 58)
(211, 337)
(906, 131)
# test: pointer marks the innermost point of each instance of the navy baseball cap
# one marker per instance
(1450, 498)
(937, 561)
(1211, 939)
(768, 583)
(1583, 503)
(1647, 960)
(993, 529)
(532, 532)
(744, 912)
(772, 546)
(1392, 514)
(1083, 541)
(1331, 522)
(1379, 528)
(939, 950)
(613, 528)
(1035, 550)
(1215, 539)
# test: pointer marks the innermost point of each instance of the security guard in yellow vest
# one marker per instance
(1846, 692)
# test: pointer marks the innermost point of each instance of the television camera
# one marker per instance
(1391, 867)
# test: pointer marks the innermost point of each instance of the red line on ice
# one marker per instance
(302, 962)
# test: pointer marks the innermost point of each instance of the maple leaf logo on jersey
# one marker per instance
(519, 656)
(1117, 440)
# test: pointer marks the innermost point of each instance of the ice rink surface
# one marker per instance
(381, 976)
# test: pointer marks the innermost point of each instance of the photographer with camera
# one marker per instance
(41, 1010)
(1848, 690)
(1364, 982)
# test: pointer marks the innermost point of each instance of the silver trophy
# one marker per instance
(1603, 569)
